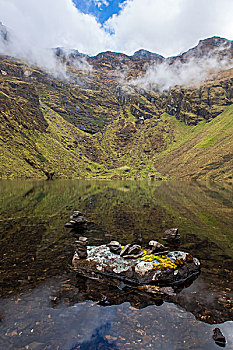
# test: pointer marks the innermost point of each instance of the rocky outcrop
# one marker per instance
(172, 268)
(192, 105)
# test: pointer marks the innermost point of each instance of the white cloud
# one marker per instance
(52, 23)
(170, 26)
(36, 26)
(166, 27)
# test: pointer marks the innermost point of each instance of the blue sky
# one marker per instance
(101, 9)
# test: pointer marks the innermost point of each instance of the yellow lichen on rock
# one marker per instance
(160, 261)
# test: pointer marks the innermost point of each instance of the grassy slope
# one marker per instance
(204, 151)
(62, 149)
(34, 142)
(162, 145)
(172, 148)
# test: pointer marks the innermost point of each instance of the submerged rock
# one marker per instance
(219, 338)
(174, 267)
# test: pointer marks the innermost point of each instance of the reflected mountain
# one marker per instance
(35, 246)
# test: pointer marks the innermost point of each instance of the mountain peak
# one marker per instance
(64, 52)
(145, 54)
(211, 46)
(216, 41)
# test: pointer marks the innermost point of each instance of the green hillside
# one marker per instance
(92, 126)
(206, 151)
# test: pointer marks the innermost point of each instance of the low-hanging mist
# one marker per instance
(192, 72)
(45, 58)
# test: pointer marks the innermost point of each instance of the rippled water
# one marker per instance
(45, 305)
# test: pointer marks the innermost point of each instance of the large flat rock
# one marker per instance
(172, 268)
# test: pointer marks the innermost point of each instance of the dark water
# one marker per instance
(44, 305)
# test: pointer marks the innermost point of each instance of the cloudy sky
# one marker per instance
(167, 27)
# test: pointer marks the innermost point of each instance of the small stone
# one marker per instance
(189, 258)
(114, 247)
(78, 220)
(156, 246)
(82, 255)
(81, 252)
(83, 239)
(134, 249)
(171, 234)
(131, 251)
(125, 250)
(133, 256)
(114, 243)
(219, 338)
(69, 225)
(77, 213)
(81, 248)
(80, 245)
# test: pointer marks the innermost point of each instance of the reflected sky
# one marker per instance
(32, 320)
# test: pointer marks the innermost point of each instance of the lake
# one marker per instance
(45, 305)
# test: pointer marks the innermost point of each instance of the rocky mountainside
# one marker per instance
(96, 117)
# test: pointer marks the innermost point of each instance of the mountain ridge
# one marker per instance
(94, 122)
(203, 44)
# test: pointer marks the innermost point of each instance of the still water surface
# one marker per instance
(45, 305)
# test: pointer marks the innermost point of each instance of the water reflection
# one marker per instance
(44, 305)
(87, 325)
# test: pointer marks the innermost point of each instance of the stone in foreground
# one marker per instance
(172, 235)
(165, 269)
(219, 338)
